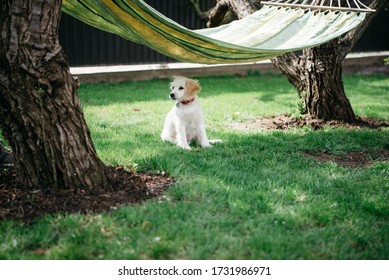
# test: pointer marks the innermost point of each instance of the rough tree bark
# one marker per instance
(317, 72)
(40, 113)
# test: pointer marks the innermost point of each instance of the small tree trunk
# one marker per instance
(40, 112)
(317, 76)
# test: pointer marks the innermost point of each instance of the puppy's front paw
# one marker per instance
(183, 146)
(206, 145)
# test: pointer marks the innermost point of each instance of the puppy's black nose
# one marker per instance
(172, 96)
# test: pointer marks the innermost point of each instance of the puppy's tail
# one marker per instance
(214, 141)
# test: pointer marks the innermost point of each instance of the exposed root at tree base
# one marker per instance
(128, 187)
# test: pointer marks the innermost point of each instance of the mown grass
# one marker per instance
(255, 196)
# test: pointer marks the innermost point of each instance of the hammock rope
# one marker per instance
(354, 6)
(271, 31)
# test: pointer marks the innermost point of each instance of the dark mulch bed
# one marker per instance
(128, 187)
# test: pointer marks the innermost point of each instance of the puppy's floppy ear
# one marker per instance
(172, 79)
(192, 87)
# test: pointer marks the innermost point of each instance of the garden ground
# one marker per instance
(299, 192)
(129, 187)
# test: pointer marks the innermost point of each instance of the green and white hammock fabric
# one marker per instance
(271, 31)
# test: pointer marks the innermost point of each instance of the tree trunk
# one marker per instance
(317, 76)
(324, 95)
(317, 73)
(40, 113)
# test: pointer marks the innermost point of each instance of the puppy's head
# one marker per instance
(182, 89)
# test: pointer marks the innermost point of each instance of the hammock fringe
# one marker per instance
(316, 7)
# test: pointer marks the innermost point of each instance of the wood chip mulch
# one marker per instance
(128, 187)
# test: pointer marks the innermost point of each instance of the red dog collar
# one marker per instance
(186, 102)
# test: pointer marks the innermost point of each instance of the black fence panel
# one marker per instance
(88, 46)
(376, 35)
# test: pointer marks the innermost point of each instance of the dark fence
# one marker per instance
(88, 46)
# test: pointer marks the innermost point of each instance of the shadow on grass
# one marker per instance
(255, 196)
(258, 166)
(268, 174)
(265, 177)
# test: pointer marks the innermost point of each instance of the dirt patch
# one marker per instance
(128, 187)
(352, 159)
(285, 122)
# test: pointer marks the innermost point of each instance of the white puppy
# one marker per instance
(185, 121)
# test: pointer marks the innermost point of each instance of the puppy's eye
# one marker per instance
(181, 88)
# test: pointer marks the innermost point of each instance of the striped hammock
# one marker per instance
(269, 32)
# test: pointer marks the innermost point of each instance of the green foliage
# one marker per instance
(299, 109)
(255, 196)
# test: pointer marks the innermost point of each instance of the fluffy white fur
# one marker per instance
(185, 121)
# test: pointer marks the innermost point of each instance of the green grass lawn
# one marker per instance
(255, 196)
